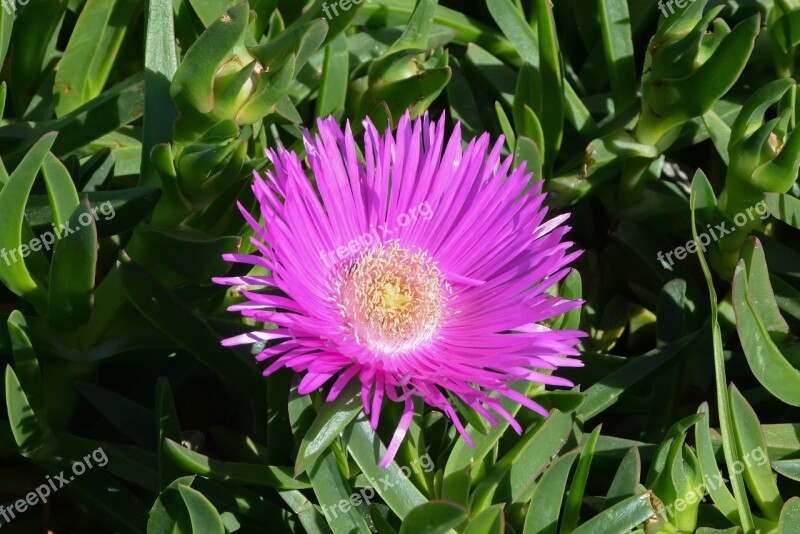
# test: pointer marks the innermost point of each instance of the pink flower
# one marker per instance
(418, 269)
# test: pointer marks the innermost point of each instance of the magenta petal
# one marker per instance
(399, 433)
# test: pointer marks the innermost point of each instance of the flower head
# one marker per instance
(420, 269)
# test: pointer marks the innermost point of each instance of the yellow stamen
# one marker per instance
(391, 299)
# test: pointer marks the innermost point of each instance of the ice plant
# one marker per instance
(449, 305)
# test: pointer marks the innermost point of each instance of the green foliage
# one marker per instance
(141, 124)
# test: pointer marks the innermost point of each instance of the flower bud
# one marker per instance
(688, 69)
(221, 79)
(765, 156)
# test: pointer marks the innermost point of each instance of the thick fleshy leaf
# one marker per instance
(168, 314)
(490, 521)
(790, 516)
(520, 466)
(91, 51)
(13, 272)
(329, 424)
(74, 267)
(203, 516)
(754, 458)
(392, 483)
(130, 418)
(574, 498)
(545, 506)
(29, 430)
(784, 207)
(621, 517)
(434, 517)
(160, 62)
(766, 361)
(252, 474)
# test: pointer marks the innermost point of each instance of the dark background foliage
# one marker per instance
(631, 113)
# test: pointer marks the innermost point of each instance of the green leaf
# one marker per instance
(790, 517)
(114, 108)
(190, 253)
(300, 40)
(522, 464)
(122, 209)
(171, 316)
(168, 508)
(209, 11)
(505, 125)
(335, 78)
(717, 75)
(719, 132)
(90, 53)
(337, 501)
(527, 152)
(434, 517)
(34, 44)
(463, 104)
(463, 458)
(203, 515)
(367, 450)
(29, 430)
(626, 481)
(512, 22)
(550, 112)
(133, 465)
(757, 472)
(309, 517)
(13, 272)
(699, 188)
(73, 270)
(160, 64)
(250, 474)
(571, 289)
(769, 366)
(468, 31)
(329, 424)
(104, 498)
(764, 302)
(618, 47)
(572, 507)
(61, 190)
(719, 493)
(490, 521)
(133, 420)
(577, 114)
(6, 27)
(784, 207)
(545, 506)
(606, 393)
(788, 468)
(26, 364)
(168, 428)
(751, 115)
(622, 517)
(192, 87)
(415, 35)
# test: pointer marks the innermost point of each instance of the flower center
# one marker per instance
(390, 298)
